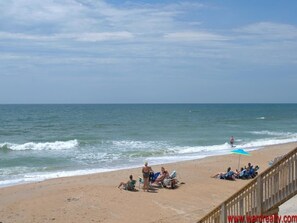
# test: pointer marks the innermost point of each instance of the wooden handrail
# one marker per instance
(266, 192)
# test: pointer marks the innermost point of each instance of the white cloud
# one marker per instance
(90, 21)
(21, 36)
(94, 37)
(194, 36)
(268, 30)
(86, 37)
(88, 16)
(153, 30)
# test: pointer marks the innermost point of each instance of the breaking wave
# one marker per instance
(57, 145)
(269, 133)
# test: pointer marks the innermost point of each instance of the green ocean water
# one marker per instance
(39, 142)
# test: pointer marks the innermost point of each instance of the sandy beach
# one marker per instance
(96, 198)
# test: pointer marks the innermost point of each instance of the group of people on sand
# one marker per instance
(246, 172)
(148, 177)
(158, 178)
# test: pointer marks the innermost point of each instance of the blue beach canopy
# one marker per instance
(240, 152)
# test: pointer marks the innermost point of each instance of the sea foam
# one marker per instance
(57, 145)
(199, 149)
(270, 133)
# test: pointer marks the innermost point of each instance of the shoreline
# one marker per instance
(96, 198)
(85, 172)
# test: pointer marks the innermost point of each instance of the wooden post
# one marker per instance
(259, 195)
(223, 213)
(241, 211)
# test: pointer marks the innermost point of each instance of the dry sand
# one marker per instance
(96, 198)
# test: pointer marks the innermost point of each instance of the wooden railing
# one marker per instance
(261, 196)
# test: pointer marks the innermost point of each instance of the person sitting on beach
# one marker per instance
(241, 173)
(170, 181)
(237, 173)
(229, 175)
(130, 185)
(252, 171)
(163, 175)
(248, 172)
(250, 166)
(146, 170)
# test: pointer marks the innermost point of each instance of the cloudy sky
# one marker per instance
(117, 51)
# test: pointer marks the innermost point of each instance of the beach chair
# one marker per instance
(275, 160)
(152, 178)
(253, 172)
(242, 174)
(140, 181)
(171, 181)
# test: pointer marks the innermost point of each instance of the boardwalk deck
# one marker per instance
(263, 195)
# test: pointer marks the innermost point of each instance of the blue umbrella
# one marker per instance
(240, 152)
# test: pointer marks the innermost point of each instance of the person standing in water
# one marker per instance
(232, 141)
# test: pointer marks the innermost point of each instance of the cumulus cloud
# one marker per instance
(132, 29)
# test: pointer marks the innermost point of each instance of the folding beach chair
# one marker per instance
(171, 181)
(140, 181)
(152, 178)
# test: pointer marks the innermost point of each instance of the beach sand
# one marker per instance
(96, 198)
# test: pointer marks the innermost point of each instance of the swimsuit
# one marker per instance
(146, 175)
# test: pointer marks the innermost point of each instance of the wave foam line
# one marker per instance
(270, 133)
(198, 149)
(38, 177)
(57, 145)
(268, 142)
(217, 149)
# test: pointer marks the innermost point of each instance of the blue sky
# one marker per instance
(92, 51)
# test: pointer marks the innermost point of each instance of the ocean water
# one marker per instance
(39, 142)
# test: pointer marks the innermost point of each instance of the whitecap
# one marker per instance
(57, 145)
(138, 144)
(270, 133)
(199, 149)
(268, 142)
